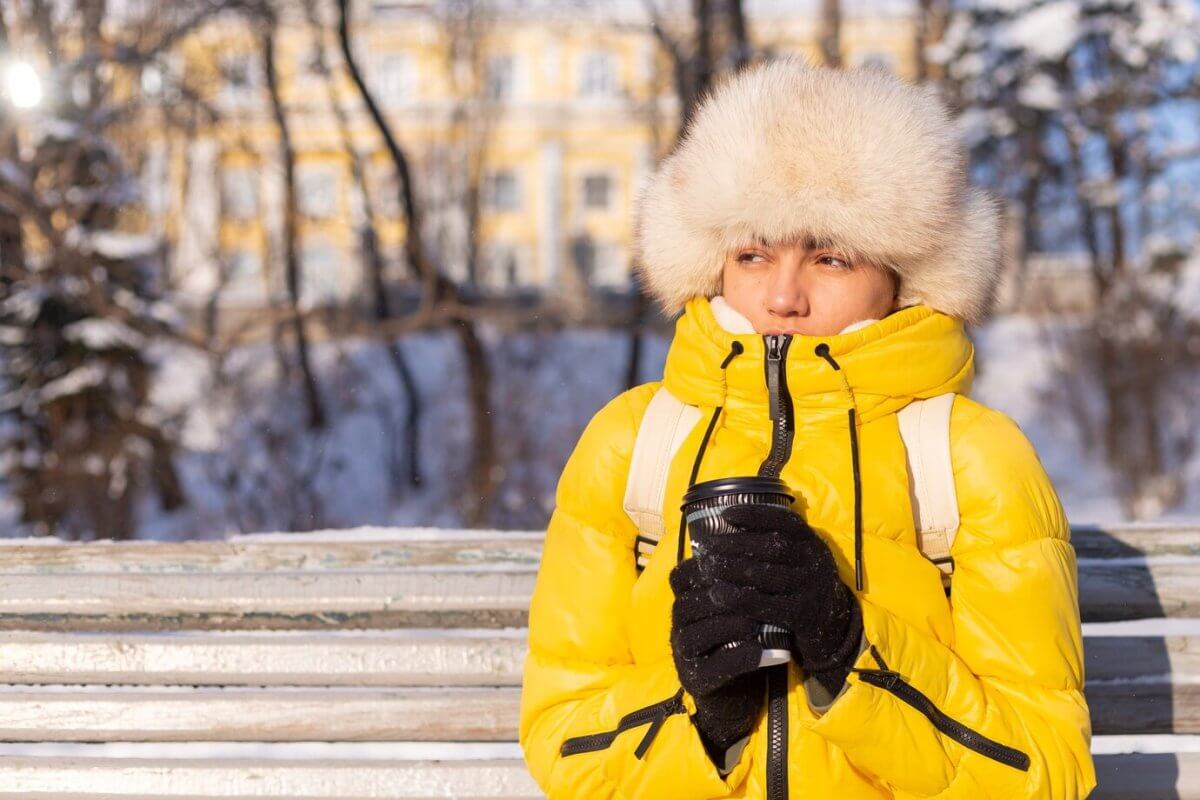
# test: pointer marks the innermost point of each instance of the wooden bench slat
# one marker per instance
(294, 658)
(400, 598)
(518, 550)
(140, 714)
(402, 657)
(144, 713)
(239, 601)
(1126, 776)
(1119, 589)
(198, 779)
(1156, 540)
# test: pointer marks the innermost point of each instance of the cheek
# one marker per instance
(852, 299)
(738, 287)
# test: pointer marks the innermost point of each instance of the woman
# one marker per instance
(817, 223)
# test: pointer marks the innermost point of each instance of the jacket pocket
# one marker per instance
(890, 681)
(654, 715)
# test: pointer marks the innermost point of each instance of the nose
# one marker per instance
(787, 297)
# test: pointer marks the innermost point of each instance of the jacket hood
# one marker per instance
(914, 352)
(854, 159)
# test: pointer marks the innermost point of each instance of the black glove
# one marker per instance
(778, 570)
(725, 682)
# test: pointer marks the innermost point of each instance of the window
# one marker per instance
(239, 193)
(393, 77)
(599, 263)
(397, 9)
(500, 266)
(597, 75)
(240, 79)
(154, 180)
(243, 271)
(382, 187)
(596, 191)
(316, 191)
(499, 77)
(876, 59)
(319, 279)
(152, 80)
(160, 79)
(500, 191)
(308, 67)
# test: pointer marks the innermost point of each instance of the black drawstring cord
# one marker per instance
(735, 349)
(822, 350)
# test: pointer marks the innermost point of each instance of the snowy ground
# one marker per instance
(245, 470)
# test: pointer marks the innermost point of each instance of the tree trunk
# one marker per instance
(831, 33)
(436, 288)
(316, 411)
(373, 258)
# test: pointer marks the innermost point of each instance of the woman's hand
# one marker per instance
(777, 570)
(725, 682)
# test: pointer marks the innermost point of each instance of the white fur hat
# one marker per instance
(857, 159)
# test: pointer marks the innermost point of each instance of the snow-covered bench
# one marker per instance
(387, 663)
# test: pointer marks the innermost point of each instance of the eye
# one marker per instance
(840, 263)
(745, 257)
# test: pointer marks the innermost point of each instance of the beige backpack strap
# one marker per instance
(925, 429)
(664, 426)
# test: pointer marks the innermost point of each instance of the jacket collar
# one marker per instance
(912, 353)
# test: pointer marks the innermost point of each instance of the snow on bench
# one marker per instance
(387, 663)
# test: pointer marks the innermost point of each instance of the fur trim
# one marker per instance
(857, 159)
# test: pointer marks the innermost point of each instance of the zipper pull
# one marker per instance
(774, 364)
(891, 677)
(676, 706)
(655, 724)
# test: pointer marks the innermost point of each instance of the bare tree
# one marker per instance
(436, 288)
(83, 298)
(368, 239)
(716, 42)
(830, 37)
(267, 23)
(1072, 129)
(932, 17)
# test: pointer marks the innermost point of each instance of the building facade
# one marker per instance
(530, 127)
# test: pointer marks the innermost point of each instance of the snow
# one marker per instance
(347, 633)
(73, 382)
(1155, 626)
(1146, 743)
(26, 303)
(102, 334)
(431, 751)
(1040, 91)
(307, 751)
(11, 336)
(120, 246)
(1152, 560)
(367, 533)
(350, 491)
(1047, 31)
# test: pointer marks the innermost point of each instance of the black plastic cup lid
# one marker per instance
(745, 484)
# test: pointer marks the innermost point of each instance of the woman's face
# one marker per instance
(805, 288)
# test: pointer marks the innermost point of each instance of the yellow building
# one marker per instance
(556, 111)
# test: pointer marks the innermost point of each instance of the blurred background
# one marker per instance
(298, 264)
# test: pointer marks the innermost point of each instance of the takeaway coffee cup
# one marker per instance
(701, 508)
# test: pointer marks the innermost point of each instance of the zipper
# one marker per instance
(655, 714)
(892, 681)
(782, 435)
(780, 404)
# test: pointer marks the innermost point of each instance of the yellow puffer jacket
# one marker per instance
(979, 696)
